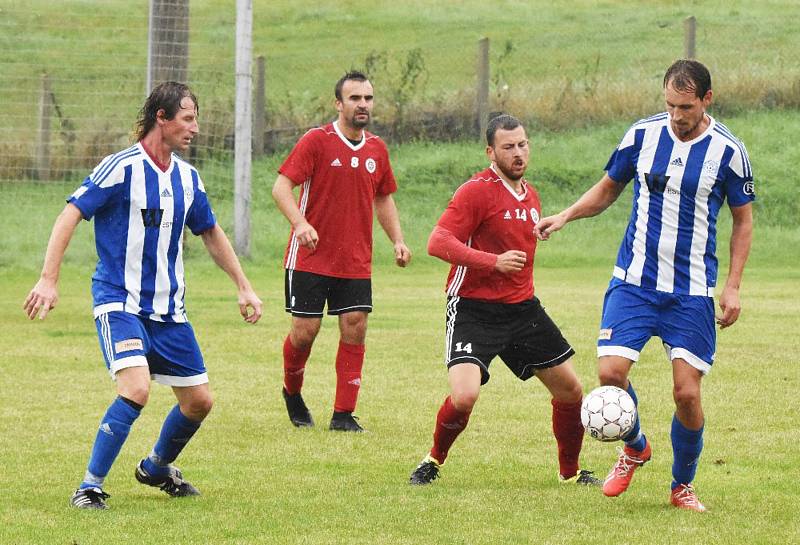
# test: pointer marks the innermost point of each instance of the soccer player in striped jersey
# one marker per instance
(141, 199)
(486, 234)
(684, 164)
(343, 172)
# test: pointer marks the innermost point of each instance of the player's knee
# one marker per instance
(464, 399)
(570, 393)
(686, 395)
(302, 336)
(198, 407)
(354, 327)
(138, 393)
(611, 376)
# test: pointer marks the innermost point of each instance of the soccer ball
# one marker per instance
(608, 413)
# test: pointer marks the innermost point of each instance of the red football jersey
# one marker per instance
(485, 213)
(339, 184)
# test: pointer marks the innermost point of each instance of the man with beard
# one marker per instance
(343, 171)
(486, 234)
(683, 164)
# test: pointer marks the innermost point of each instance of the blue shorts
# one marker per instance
(169, 349)
(631, 315)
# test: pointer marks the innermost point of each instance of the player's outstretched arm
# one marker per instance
(599, 197)
(283, 195)
(220, 249)
(386, 211)
(447, 247)
(44, 295)
(741, 240)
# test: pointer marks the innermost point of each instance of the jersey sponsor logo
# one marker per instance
(336, 163)
(749, 188)
(151, 217)
(370, 165)
(656, 183)
(127, 345)
(534, 215)
(166, 193)
(605, 335)
(673, 191)
(354, 162)
(507, 215)
(677, 162)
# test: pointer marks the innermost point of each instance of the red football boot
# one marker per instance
(621, 474)
(684, 497)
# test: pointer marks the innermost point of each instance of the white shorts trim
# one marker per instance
(172, 380)
(99, 310)
(688, 357)
(124, 363)
(623, 351)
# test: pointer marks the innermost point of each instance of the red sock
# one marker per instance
(349, 361)
(569, 432)
(450, 422)
(294, 366)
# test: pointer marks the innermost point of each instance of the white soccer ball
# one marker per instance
(608, 413)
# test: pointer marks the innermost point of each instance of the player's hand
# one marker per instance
(731, 307)
(306, 235)
(249, 306)
(510, 262)
(402, 255)
(548, 226)
(41, 299)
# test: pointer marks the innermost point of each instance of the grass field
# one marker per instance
(266, 482)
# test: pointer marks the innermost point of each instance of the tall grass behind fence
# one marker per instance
(73, 73)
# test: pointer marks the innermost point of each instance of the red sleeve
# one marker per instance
(465, 212)
(444, 245)
(388, 184)
(301, 163)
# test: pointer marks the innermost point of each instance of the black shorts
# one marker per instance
(522, 334)
(306, 294)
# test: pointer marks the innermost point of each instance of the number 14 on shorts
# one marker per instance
(461, 347)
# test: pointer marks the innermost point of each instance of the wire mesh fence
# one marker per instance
(74, 74)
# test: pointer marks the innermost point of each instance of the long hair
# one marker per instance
(166, 96)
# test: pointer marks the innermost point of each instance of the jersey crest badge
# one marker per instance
(534, 216)
(336, 163)
(370, 165)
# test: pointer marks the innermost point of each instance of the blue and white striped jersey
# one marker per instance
(679, 188)
(139, 215)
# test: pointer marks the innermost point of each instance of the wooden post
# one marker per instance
(689, 34)
(482, 101)
(259, 109)
(43, 137)
(168, 37)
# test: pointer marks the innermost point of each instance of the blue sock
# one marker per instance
(635, 438)
(686, 447)
(114, 429)
(175, 433)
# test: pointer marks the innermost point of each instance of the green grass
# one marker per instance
(266, 482)
(570, 64)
